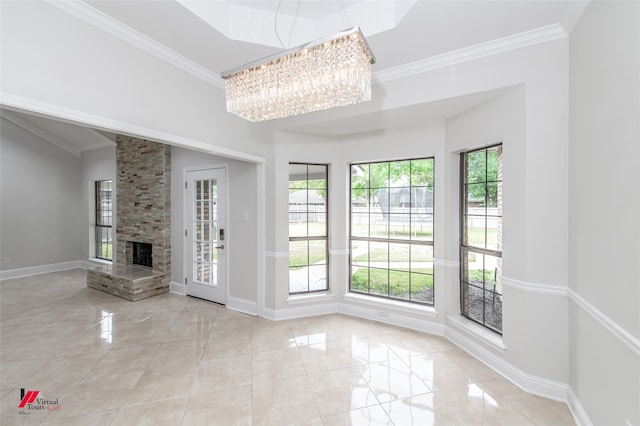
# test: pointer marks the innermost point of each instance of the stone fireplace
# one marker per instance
(142, 262)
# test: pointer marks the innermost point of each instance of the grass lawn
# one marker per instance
(393, 283)
(305, 253)
(476, 236)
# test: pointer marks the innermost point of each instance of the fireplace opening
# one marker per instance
(142, 254)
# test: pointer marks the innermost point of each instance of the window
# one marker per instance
(308, 228)
(392, 230)
(104, 214)
(481, 231)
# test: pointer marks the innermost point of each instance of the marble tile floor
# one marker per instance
(96, 359)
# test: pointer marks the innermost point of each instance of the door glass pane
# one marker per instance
(204, 232)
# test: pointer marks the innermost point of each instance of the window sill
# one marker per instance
(483, 334)
(309, 298)
(380, 303)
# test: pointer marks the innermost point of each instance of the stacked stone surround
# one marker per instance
(129, 282)
(143, 214)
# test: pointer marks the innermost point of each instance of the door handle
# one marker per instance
(220, 247)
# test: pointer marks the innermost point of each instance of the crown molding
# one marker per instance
(489, 48)
(103, 21)
(41, 133)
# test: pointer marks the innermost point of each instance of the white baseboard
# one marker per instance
(177, 288)
(241, 305)
(41, 269)
(529, 383)
(577, 410)
(300, 312)
(245, 306)
(393, 318)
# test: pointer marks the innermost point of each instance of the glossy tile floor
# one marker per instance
(172, 360)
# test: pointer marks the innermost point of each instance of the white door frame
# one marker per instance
(186, 222)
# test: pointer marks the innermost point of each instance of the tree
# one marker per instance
(368, 179)
(482, 176)
(314, 178)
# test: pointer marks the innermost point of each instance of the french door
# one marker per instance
(205, 225)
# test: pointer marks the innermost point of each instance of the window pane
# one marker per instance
(379, 281)
(422, 172)
(308, 226)
(379, 175)
(422, 258)
(318, 277)
(298, 254)
(481, 291)
(317, 176)
(475, 307)
(400, 173)
(360, 221)
(360, 176)
(317, 225)
(476, 167)
(476, 196)
(298, 280)
(399, 287)
(379, 214)
(492, 165)
(494, 227)
(422, 227)
(379, 255)
(317, 252)
(492, 197)
(103, 219)
(360, 253)
(399, 198)
(476, 231)
(421, 200)
(360, 279)
(400, 226)
(399, 257)
(474, 267)
(422, 287)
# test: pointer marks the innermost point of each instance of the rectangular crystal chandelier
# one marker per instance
(326, 73)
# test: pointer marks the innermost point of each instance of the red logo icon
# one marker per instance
(27, 398)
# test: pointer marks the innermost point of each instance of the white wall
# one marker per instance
(57, 64)
(604, 225)
(97, 164)
(241, 234)
(40, 201)
(408, 142)
(532, 121)
(535, 324)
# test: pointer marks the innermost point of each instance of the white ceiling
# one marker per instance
(423, 29)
